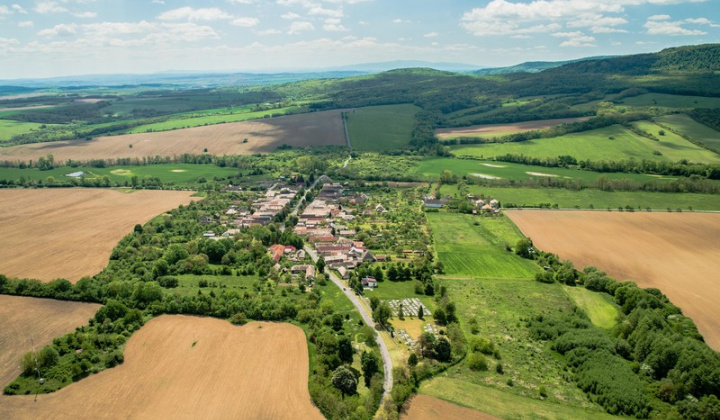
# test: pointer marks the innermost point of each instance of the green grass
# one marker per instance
(671, 101)
(391, 290)
(600, 200)
(602, 313)
(674, 147)
(433, 167)
(505, 404)
(478, 251)
(184, 122)
(10, 128)
(381, 127)
(178, 174)
(609, 143)
(692, 129)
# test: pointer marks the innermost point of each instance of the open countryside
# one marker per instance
(676, 253)
(56, 228)
(425, 407)
(188, 368)
(498, 130)
(27, 323)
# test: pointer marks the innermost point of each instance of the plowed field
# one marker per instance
(425, 407)
(493, 130)
(70, 233)
(678, 253)
(184, 367)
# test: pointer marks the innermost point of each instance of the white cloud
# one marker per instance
(49, 7)
(290, 16)
(334, 25)
(158, 1)
(321, 11)
(299, 27)
(85, 15)
(702, 21)
(63, 29)
(246, 22)
(575, 39)
(26, 24)
(204, 14)
(431, 35)
(19, 9)
(240, 1)
(4, 10)
(269, 32)
(670, 28)
(659, 17)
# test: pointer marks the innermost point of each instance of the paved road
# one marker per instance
(367, 317)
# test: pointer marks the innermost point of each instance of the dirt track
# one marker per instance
(184, 367)
(676, 253)
(425, 407)
(313, 129)
(70, 233)
(25, 322)
(492, 130)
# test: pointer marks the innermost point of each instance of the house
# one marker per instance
(307, 269)
(344, 272)
(230, 232)
(494, 203)
(277, 251)
(433, 204)
(381, 258)
(369, 282)
(290, 249)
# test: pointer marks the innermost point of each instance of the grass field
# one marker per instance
(187, 368)
(499, 130)
(176, 174)
(70, 233)
(425, 407)
(676, 253)
(433, 167)
(313, 129)
(601, 311)
(188, 122)
(674, 147)
(477, 251)
(692, 129)
(671, 101)
(381, 127)
(600, 200)
(504, 404)
(9, 128)
(610, 143)
(29, 322)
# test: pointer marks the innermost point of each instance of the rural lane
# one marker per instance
(367, 317)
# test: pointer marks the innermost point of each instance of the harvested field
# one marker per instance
(313, 129)
(494, 130)
(185, 367)
(425, 407)
(70, 233)
(25, 322)
(678, 253)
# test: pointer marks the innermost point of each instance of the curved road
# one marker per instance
(367, 317)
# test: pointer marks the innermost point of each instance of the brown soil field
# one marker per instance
(25, 322)
(70, 233)
(185, 367)
(313, 129)
(425, 407)
(491, 130)
(678, 253)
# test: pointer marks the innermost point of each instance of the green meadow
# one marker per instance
(599, 309)
(474, 247)
(674, 147)
(691, 129)
(381, 127)
(593, 198)
(609, 143)
(10, 128)
(671, 101)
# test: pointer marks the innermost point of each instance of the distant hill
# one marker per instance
(530, 66)
(404, 64)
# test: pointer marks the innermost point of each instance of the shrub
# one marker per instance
(477, 362)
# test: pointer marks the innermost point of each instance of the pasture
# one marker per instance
(601, 311)
(70, 233)
(609, 143)
(470, 250)
(425, 407)
(676, 253)
(263, 136)
(187, 368)
(593, 198)
(381, 127)
(692, 129)
(675, 147)
(670, 101)
(29, 322)
(10, 128)
(487, 131)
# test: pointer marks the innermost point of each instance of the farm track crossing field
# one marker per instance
(25, 322)
(499, 130)
(190, 368)
(313, 129)
(676, 253)
(70, 233)
(425, 407)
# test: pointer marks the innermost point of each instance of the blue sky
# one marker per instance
(46, 38)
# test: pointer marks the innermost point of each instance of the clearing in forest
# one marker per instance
(70, 233)
(499, 130)
(425, 407)
(189, 368)
(30, 322)
(263, 136)
(678, 253)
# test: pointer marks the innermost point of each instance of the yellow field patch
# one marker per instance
(121, 172)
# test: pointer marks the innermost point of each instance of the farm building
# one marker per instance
(369, 282)
(277, 251)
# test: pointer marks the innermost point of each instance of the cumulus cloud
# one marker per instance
(85, 15)
(431, 35)
(191, 14)
(300, 27)
(63, 29)
(18, 9)
(575, 39)
(46, 7)
(26, 24)
(334, 25)
(290, 16)
(666, 27)
(246, 22)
